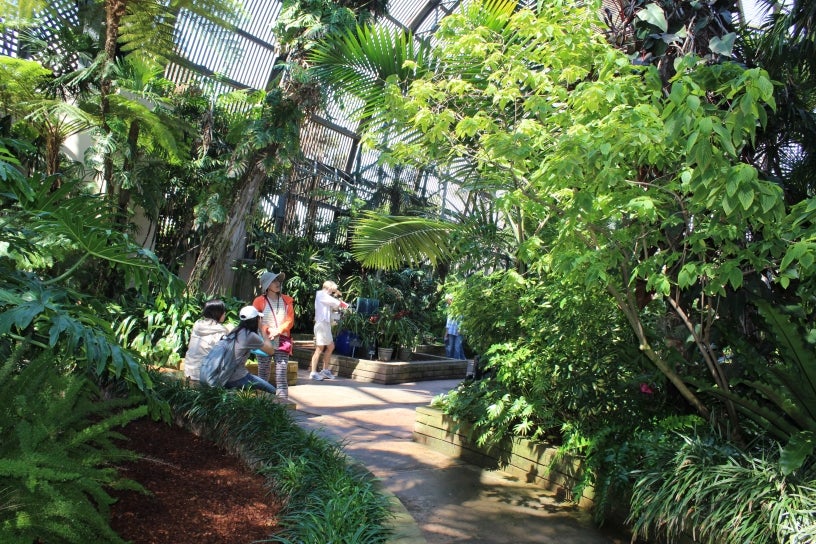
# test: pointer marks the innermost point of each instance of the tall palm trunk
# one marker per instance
(114, 11)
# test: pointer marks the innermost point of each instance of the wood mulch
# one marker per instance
(199, 493)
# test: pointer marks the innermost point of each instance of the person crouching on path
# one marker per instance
(249, 336)
(278, 312)
(325, 304)
(207, 331)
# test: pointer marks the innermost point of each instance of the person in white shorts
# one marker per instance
(325, 304)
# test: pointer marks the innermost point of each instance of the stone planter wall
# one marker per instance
(386, 372)
(531, 462)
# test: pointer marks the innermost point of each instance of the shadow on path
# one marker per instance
(450, 500)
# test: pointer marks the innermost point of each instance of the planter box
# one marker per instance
(387, 372)
(534, 463)
(431, 349)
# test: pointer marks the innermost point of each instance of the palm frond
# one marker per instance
(386, 242)
(64, 118)
(158, 130)
(148, 26)
(361, 62)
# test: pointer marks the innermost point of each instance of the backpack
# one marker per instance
(218, 364)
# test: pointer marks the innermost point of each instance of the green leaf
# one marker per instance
(653, 14)
(20, 316)
(799, 447)
(687, 275)
(468, 127)
(693, 102)
(723, 46)
(794, 253)
(387, 242)
(728, 205)
(746, 198)
(735, 277)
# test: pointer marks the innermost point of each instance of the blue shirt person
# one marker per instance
(453, 336)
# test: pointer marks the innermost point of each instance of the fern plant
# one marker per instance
(57, 456)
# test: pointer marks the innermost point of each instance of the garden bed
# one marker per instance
(421, 367)
(198, 492)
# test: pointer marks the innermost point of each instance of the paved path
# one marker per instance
(450, 500)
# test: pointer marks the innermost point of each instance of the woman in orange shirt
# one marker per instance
(278, 311)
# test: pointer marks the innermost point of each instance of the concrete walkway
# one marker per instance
(451, 501)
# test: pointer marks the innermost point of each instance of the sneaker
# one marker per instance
(317, 376)
(327, 374)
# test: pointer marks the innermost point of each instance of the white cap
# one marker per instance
(248, 312)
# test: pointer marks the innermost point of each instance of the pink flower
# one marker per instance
(645, 389)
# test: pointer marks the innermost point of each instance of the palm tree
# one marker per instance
(272, 133)
(785, 149)
(125, 28)
(368, 64)
(26, 96)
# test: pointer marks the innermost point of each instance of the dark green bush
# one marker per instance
(57, 455)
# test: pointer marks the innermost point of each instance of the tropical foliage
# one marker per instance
(51, 241)
(641, 187)
(85, 309)
(57, 456)
(637, 241)
(699, 485)
(404, 311)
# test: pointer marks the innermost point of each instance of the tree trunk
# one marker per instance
(225, 243)
(114, 11)
(628, 304)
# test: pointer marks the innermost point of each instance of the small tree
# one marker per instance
(605, 178)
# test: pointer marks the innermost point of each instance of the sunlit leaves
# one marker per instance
(388, 242)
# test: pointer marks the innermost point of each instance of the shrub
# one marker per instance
(720, 494)
(57, 456)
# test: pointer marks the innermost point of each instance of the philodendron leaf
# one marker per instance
(20, 316)
(799, 447)
(653, 14)
(722, 46)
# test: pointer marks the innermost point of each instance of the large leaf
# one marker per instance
(799, 447)
(361, 62)
(387, 242)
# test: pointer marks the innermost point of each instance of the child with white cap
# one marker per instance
(249, 336)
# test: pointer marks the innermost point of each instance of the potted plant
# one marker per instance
(386, 334)
(394, 330)
(407, 332)
(359, 330)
